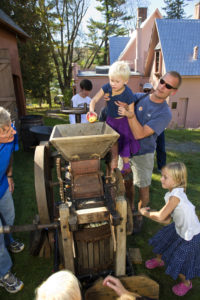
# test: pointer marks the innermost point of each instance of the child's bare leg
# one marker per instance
(159, 257)
(182, 278)
(114, 158)
(126, 166)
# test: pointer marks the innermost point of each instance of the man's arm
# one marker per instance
(137, 129)
(9, 174)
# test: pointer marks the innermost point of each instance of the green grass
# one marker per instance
(33, 270)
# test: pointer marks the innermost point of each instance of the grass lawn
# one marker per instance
(33, 270)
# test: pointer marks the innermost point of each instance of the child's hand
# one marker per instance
(144, 211)
(91, 116)
(106, 96)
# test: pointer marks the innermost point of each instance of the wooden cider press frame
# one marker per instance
(72, 188)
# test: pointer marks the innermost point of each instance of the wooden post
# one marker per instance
(120, 263)
(67, 238)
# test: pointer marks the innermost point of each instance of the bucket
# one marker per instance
(28, 138)
(42, 133)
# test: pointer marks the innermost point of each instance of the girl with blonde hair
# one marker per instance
(177, 245)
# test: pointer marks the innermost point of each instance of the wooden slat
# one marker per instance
(135, 255)
(67, 238)
(90, 255)
(90, 215)
(96, 254)
(7, 99)
(120, 264)
(101, 251)
(107, 250)
(85, 255)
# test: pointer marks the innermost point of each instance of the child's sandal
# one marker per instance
(181, 289)
(153, 263)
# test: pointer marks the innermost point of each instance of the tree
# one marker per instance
(174, 9)
(113, 18)
(62, 20)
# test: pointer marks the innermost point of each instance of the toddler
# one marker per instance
(117, 90)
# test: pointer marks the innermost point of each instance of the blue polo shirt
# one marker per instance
(126, 96)
(156, 115)
(6, 150)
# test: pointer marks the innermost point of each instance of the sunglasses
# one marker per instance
(168, 86)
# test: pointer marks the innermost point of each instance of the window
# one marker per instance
(157, 61)
(174, 105)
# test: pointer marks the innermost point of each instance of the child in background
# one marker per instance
(79, 99)
(117, 90)
(177, 245)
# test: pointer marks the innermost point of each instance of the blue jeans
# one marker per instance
(7, 216)
(160, 151)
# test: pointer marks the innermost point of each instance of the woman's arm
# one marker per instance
(95, 99)
(162, 215)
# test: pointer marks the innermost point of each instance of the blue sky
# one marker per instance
(92, 12)
(189, 9)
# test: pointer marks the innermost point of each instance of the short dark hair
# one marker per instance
(176, 75)
(86, 84)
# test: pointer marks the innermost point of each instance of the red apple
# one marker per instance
(91, 117)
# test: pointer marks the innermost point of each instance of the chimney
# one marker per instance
(197, 11)
(195, 52)
(141, 14)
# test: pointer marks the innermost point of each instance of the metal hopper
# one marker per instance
(83, 141)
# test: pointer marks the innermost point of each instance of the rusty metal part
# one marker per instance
(59, 176)
(28, 227)
(109, 190)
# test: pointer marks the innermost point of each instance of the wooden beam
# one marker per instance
(67, 238)
(120, 263)
(91, 215)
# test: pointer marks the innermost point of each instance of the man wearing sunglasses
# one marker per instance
(152, 115)
(8, 144)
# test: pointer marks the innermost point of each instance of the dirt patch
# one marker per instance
(183, 147)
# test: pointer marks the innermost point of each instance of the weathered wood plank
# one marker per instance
(120, 263)
(90, 215)
(67, 238)
(135, 255)
(138, 285)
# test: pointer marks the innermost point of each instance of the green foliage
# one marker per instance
(174, 9)
(68, 93)
(113, 18)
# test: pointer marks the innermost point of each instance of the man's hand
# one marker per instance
(106, 97)
(123, 109)
(11, 184)
(122, 104)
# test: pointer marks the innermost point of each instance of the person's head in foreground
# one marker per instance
(6, 130)
(62, 285)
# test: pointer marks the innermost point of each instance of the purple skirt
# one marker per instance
(127, 144)
(180, 256)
